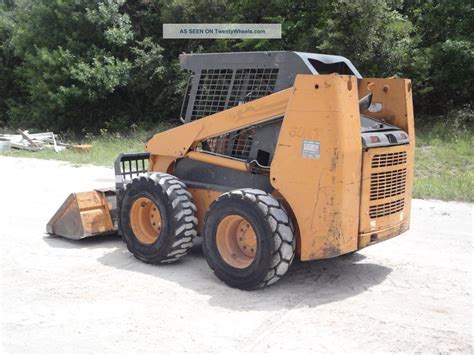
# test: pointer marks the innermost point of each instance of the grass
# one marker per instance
(104, 151)
(444, 166)
(444, 160)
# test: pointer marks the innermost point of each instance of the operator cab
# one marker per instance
(219, 81)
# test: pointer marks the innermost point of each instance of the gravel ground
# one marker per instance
(409, 294)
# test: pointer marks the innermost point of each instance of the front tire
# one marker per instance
(248, 239)
(157, 218)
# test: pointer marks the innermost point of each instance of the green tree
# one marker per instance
(73, 61)
(88, 64)
(157, 82)
(8, 61)
(441, 61)
(371, 33)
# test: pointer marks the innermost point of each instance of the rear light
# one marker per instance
(374, 139)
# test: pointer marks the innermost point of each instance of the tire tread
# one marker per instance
(282, 230)
(183, 214)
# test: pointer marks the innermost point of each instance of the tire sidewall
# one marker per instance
(160, 248)
(251, 276)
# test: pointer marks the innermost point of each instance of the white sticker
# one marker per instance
(311, 149)
(375, 107)
(373, 224)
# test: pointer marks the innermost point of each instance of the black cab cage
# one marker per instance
(220, 81)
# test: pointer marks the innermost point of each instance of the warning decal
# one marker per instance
(311, 149)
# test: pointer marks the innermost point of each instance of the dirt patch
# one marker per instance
(409, 294)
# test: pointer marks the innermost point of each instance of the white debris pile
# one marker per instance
(31, 141)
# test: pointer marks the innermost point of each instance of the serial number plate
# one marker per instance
(311, 149)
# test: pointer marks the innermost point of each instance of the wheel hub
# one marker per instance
(246, 239)
(145, 220)
(236, 241)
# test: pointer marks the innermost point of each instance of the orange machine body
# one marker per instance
(342, 196)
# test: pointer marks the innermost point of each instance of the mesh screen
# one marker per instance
(219, 89)
(235, 144)
(251, 84)
(211, 95)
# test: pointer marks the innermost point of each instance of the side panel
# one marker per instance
(177, 141)
(317, 163)
(167, 146)
(199, 174)
(395, 97)
(203, 198)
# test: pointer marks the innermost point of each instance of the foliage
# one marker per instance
(441, 63)
(71, 61)
(8, 61)
(87, 65)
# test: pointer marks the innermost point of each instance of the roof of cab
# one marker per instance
(298, 60)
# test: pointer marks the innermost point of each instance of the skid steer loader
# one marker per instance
(280, 154)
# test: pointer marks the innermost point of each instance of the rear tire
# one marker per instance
(243, 212)
(157, 218)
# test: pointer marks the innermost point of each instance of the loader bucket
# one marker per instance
(84, 214)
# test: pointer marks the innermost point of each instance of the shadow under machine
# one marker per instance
(280, 154)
